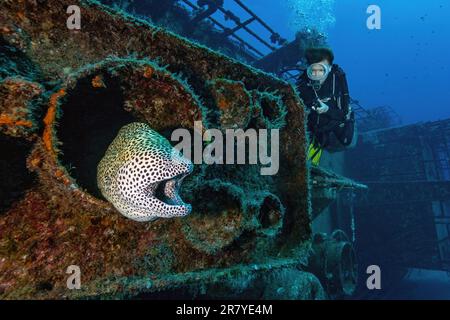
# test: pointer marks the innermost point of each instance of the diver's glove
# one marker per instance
(322, 108)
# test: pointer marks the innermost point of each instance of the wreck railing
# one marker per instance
(217, 5)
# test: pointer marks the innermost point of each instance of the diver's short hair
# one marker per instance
(315, 55)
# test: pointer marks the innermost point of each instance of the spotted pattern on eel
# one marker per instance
(141, 173)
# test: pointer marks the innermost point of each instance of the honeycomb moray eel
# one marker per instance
(141, 174)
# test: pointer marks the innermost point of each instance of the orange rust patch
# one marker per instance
(35, 162)
(24, 123)
(59, 173)
(5, 30)
(66, 181)
(21, 15)
(222, 103)
(148, 72)
(7, 120)
(97, 82)
(50, 118)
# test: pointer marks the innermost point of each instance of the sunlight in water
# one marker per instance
(315, 14)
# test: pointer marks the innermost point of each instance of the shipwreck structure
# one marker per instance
(64, 94)
(404, 219)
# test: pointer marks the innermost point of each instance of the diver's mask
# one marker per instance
(318, 73)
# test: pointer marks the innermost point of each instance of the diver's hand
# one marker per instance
(323, 107)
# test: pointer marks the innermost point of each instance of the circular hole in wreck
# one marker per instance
(348, 269)
(273, 110)
(270, 107)
(271, 213)
(217, 217)
(221, 199)
(91, 118)
(15, 178)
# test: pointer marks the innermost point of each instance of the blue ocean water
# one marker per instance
(404, 65)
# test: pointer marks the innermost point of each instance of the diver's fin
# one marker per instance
(314, 154)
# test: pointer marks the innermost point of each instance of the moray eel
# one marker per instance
(141, 174)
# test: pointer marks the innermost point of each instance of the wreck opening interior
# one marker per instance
(15, 178)
(90, 120)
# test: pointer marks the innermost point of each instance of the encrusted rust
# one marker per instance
(17, 104)
(49, 121)
(234, 103)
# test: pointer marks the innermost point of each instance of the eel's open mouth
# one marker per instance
(167, 190)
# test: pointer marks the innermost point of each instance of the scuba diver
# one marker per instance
(324, 90)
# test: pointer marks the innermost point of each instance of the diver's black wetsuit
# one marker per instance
(338, 119)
